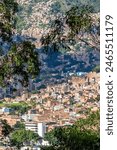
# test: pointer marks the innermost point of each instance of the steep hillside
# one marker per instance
(34, 16)
(33, 20)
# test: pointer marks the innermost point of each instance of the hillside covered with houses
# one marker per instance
(63, 100)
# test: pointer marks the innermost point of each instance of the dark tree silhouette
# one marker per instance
(79, 24)
(20, 62)
(6, 128)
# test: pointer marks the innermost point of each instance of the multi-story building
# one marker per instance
(36, 127)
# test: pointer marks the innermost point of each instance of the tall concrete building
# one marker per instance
(36, 127)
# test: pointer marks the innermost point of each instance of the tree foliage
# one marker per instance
(8, 8)
(19, 108)
(6, 128)
(20, 64)
(77, 25)
(83, 135)
(19, 125)
(21, 136)
(21, 61)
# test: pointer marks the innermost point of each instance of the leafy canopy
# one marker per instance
(8, 8)
(83, 135)
(21, 61)
(18, 137)
(6, 128)
(72, 28)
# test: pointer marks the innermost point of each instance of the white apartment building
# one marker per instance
(39, 128)
(36, 127)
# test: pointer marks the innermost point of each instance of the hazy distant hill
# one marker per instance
(58, 63)
(39, 12)
(63, 5)
(33, 19)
